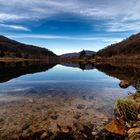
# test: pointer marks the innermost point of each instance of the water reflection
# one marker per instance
(12, 70)
(81, 65)
(129, 75)
(60, 98)
(9, 70)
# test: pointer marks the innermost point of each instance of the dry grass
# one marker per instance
(125, 109)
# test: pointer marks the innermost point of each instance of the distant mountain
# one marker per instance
(88, 53)
(11, 48)
(127, 48)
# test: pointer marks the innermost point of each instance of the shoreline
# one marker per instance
(18, 59)
(47, 59)
(126, 122)
(50, 126)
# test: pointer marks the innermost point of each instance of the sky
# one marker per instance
(65, 26)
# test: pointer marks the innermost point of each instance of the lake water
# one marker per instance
(55, 95)
(73, 82)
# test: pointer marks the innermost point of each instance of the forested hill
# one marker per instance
(128, 48)
(11, 48)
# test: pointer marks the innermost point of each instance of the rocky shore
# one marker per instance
(58, 116)
(126, 122)
(51, 118)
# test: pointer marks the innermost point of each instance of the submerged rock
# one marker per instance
(80, 106)
(1, 120)
(54, 116)
(31, 100)
(25, 126)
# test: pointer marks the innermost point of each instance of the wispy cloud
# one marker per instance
(125, 15)
(123, 26)
(96, 8)
(79, 38)
(9, 16)
(63, 44)
(15, 27)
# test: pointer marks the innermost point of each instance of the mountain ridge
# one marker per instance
(128, 47)
(12, 48)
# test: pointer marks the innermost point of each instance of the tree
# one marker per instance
(82, 54)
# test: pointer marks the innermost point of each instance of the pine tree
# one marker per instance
(82, 54)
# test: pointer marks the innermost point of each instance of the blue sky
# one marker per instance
(70, 25)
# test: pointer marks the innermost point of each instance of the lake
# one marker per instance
(43, 98)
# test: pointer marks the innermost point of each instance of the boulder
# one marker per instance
(124, 84)
(133, 130)
(139, 117)
(116, 127)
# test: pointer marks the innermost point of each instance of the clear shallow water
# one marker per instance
(90, 84)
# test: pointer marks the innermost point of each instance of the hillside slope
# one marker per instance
(127, 48)
(11, 48)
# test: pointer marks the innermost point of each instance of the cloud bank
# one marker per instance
(118, 15)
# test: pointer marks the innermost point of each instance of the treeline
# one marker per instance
(85, 55)
(11, 48)
(128, 47)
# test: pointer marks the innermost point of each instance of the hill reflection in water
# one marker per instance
(12, 70)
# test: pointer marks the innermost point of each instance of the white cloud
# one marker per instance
(5, 17)
(103, 9)
(15, 27)
(79, 38)
(124, 14)
(123, 26)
